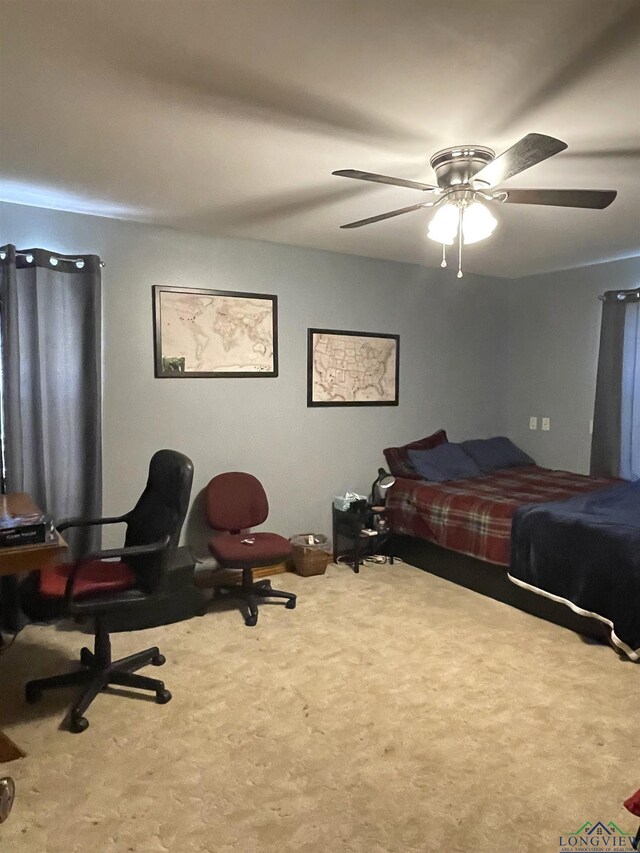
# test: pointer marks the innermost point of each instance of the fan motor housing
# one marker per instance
(459, 164)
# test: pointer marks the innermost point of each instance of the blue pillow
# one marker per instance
(445, 462)
(493, 453)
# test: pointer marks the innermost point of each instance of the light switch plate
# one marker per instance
(533, 423)
(546, 423)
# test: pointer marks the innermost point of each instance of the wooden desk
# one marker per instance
(27, 558)
(24, 558)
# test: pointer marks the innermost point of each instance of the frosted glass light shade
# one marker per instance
(477, 223)
(443, 228)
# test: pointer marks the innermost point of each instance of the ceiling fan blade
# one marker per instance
(527, 152)
(594, 199)
(384, 179)
(381, 216)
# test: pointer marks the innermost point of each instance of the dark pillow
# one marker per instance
(398, 461)
(493, 453)
(446, 462)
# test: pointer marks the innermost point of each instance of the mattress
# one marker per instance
(473, 516)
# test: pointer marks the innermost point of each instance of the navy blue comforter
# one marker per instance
(585, 551)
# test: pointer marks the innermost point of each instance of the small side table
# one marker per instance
(348, 539)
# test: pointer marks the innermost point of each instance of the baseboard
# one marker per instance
(225, 577)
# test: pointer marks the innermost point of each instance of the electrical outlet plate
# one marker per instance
(533, 423)
(546, 423)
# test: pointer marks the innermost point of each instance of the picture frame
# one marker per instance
(213, 334)
(346, 368)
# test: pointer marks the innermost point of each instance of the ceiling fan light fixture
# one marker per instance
(443, 228)
(477, 223)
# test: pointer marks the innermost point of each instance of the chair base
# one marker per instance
(250, 591)
(98, 672)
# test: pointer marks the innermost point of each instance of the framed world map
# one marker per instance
(214, 333)
(352, 368)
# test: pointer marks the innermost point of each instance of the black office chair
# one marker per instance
(93, 587)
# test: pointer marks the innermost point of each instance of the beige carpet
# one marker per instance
(391, 711)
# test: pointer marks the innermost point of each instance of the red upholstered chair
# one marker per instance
(99, 587)
(633, 805)
(236, 502)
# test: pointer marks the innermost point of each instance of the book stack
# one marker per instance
(21, 523)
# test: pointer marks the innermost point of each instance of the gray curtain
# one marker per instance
(51, 361)
(615, 446)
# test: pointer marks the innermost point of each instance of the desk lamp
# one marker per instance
(380, 487)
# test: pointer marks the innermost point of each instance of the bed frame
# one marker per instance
(490, 580)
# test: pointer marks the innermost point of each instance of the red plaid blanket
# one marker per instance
(473, 516)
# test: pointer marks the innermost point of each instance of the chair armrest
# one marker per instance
(88, 522)
(130, 551)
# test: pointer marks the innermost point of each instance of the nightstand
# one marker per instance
(349, 541)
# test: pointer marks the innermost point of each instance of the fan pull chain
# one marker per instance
(444, 255)
(459, 243)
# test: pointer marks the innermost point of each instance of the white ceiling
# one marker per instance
(229, 117)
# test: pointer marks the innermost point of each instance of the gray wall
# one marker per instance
(553, 339)
(452, 362)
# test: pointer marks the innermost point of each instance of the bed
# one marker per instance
(584, 552)
(461, 530)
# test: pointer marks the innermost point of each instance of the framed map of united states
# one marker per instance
(214, 333)
(352, 368)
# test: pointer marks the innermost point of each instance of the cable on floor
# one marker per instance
(373, 560)
(4, 647)
(380, 560)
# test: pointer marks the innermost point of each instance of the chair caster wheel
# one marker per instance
(32, 693)
(158, 660)
(163, 696)
(7, 796)
(79, 724)
(291, 604)
(251, 620)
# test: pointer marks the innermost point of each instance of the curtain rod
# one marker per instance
(29, 258)
(54, 259)
(620, 295)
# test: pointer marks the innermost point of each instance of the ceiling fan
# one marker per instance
(468, 177)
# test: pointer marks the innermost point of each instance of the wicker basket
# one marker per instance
(310, 559)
